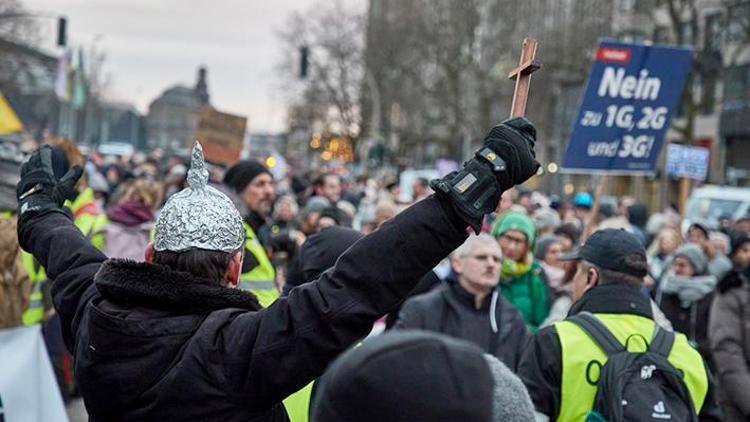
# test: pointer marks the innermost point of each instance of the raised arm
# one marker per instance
(47, 232)
(280, 349)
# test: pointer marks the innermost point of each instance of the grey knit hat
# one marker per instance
(694, 254)
(542, 245)
(511, 401)
(545, 218)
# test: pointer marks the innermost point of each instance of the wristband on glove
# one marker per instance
(474, 190)
(506, 159)
(38, 189)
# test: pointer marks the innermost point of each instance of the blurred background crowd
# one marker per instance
(301, 223)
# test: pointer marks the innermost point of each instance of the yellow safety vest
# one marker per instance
(34, 313)
(90, 224)
(89, 219)
(298, 404)
(579, 350)
(259, 280)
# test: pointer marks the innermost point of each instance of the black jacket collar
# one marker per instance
(255, 220)
(613, 298)
(457, 293)
(155, 286)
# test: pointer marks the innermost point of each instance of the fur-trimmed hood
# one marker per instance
(156, 286)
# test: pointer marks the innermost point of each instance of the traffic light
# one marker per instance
(303, 61)
(62, 31)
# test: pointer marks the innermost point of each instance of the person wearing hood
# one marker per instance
(174, 339)
(728, 332)
(638, 217)
(319, 253)
(470, 307)
(253, 183)
(131, 220)
(522, 280)
(699, 233)
(685, 294)
(547, 252)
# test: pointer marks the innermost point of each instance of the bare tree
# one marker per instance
(329, 96)
(443, 65)
(17, 24)
(17, 27)
(712, 56)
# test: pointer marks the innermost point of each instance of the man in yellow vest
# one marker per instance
(557, 362)
(253, 184)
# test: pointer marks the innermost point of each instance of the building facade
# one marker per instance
(173, 116)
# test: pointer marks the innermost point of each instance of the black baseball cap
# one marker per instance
(609, 249)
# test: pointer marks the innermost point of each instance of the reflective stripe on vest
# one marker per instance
(88, 217)
(578, 388)
(259, 280)
(91, 225)
(34, 313)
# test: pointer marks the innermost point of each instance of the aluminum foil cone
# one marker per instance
(199, 216)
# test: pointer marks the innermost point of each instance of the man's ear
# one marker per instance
(149, 253)
(592, 278)
(234, 270)
(456, 264)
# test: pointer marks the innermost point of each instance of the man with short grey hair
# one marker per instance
(469, 306)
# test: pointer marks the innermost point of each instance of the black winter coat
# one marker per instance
(691, 321)
(450, 310)
(153, 344)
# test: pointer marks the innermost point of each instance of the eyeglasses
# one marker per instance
(484, 257)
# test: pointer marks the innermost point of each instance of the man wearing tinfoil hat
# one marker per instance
(172, 339)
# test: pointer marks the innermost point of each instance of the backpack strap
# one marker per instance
(662, 342)
(598, 332)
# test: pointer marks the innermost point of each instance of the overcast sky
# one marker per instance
(151, 45)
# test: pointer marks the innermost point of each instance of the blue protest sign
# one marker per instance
(632, 92)
(687, 161)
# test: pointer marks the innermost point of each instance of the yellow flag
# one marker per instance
(9, 122)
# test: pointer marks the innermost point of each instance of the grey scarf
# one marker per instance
(688, 289)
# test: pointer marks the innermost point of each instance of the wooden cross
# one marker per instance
(522, 74)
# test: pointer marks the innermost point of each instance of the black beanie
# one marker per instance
(407, 376)
(738, 238)
(241, 174)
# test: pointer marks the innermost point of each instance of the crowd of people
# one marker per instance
(329, 253)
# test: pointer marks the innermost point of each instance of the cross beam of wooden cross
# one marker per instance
(522, 75)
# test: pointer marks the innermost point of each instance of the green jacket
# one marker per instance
(528, 293)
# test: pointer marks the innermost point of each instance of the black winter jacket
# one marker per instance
(692, 321)
(541, 365)
(450, 310)
(153, 344)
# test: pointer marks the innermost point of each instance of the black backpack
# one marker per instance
(636, 387)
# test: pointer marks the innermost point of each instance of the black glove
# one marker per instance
(513, 140)
(38, 189)
(506, 159)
